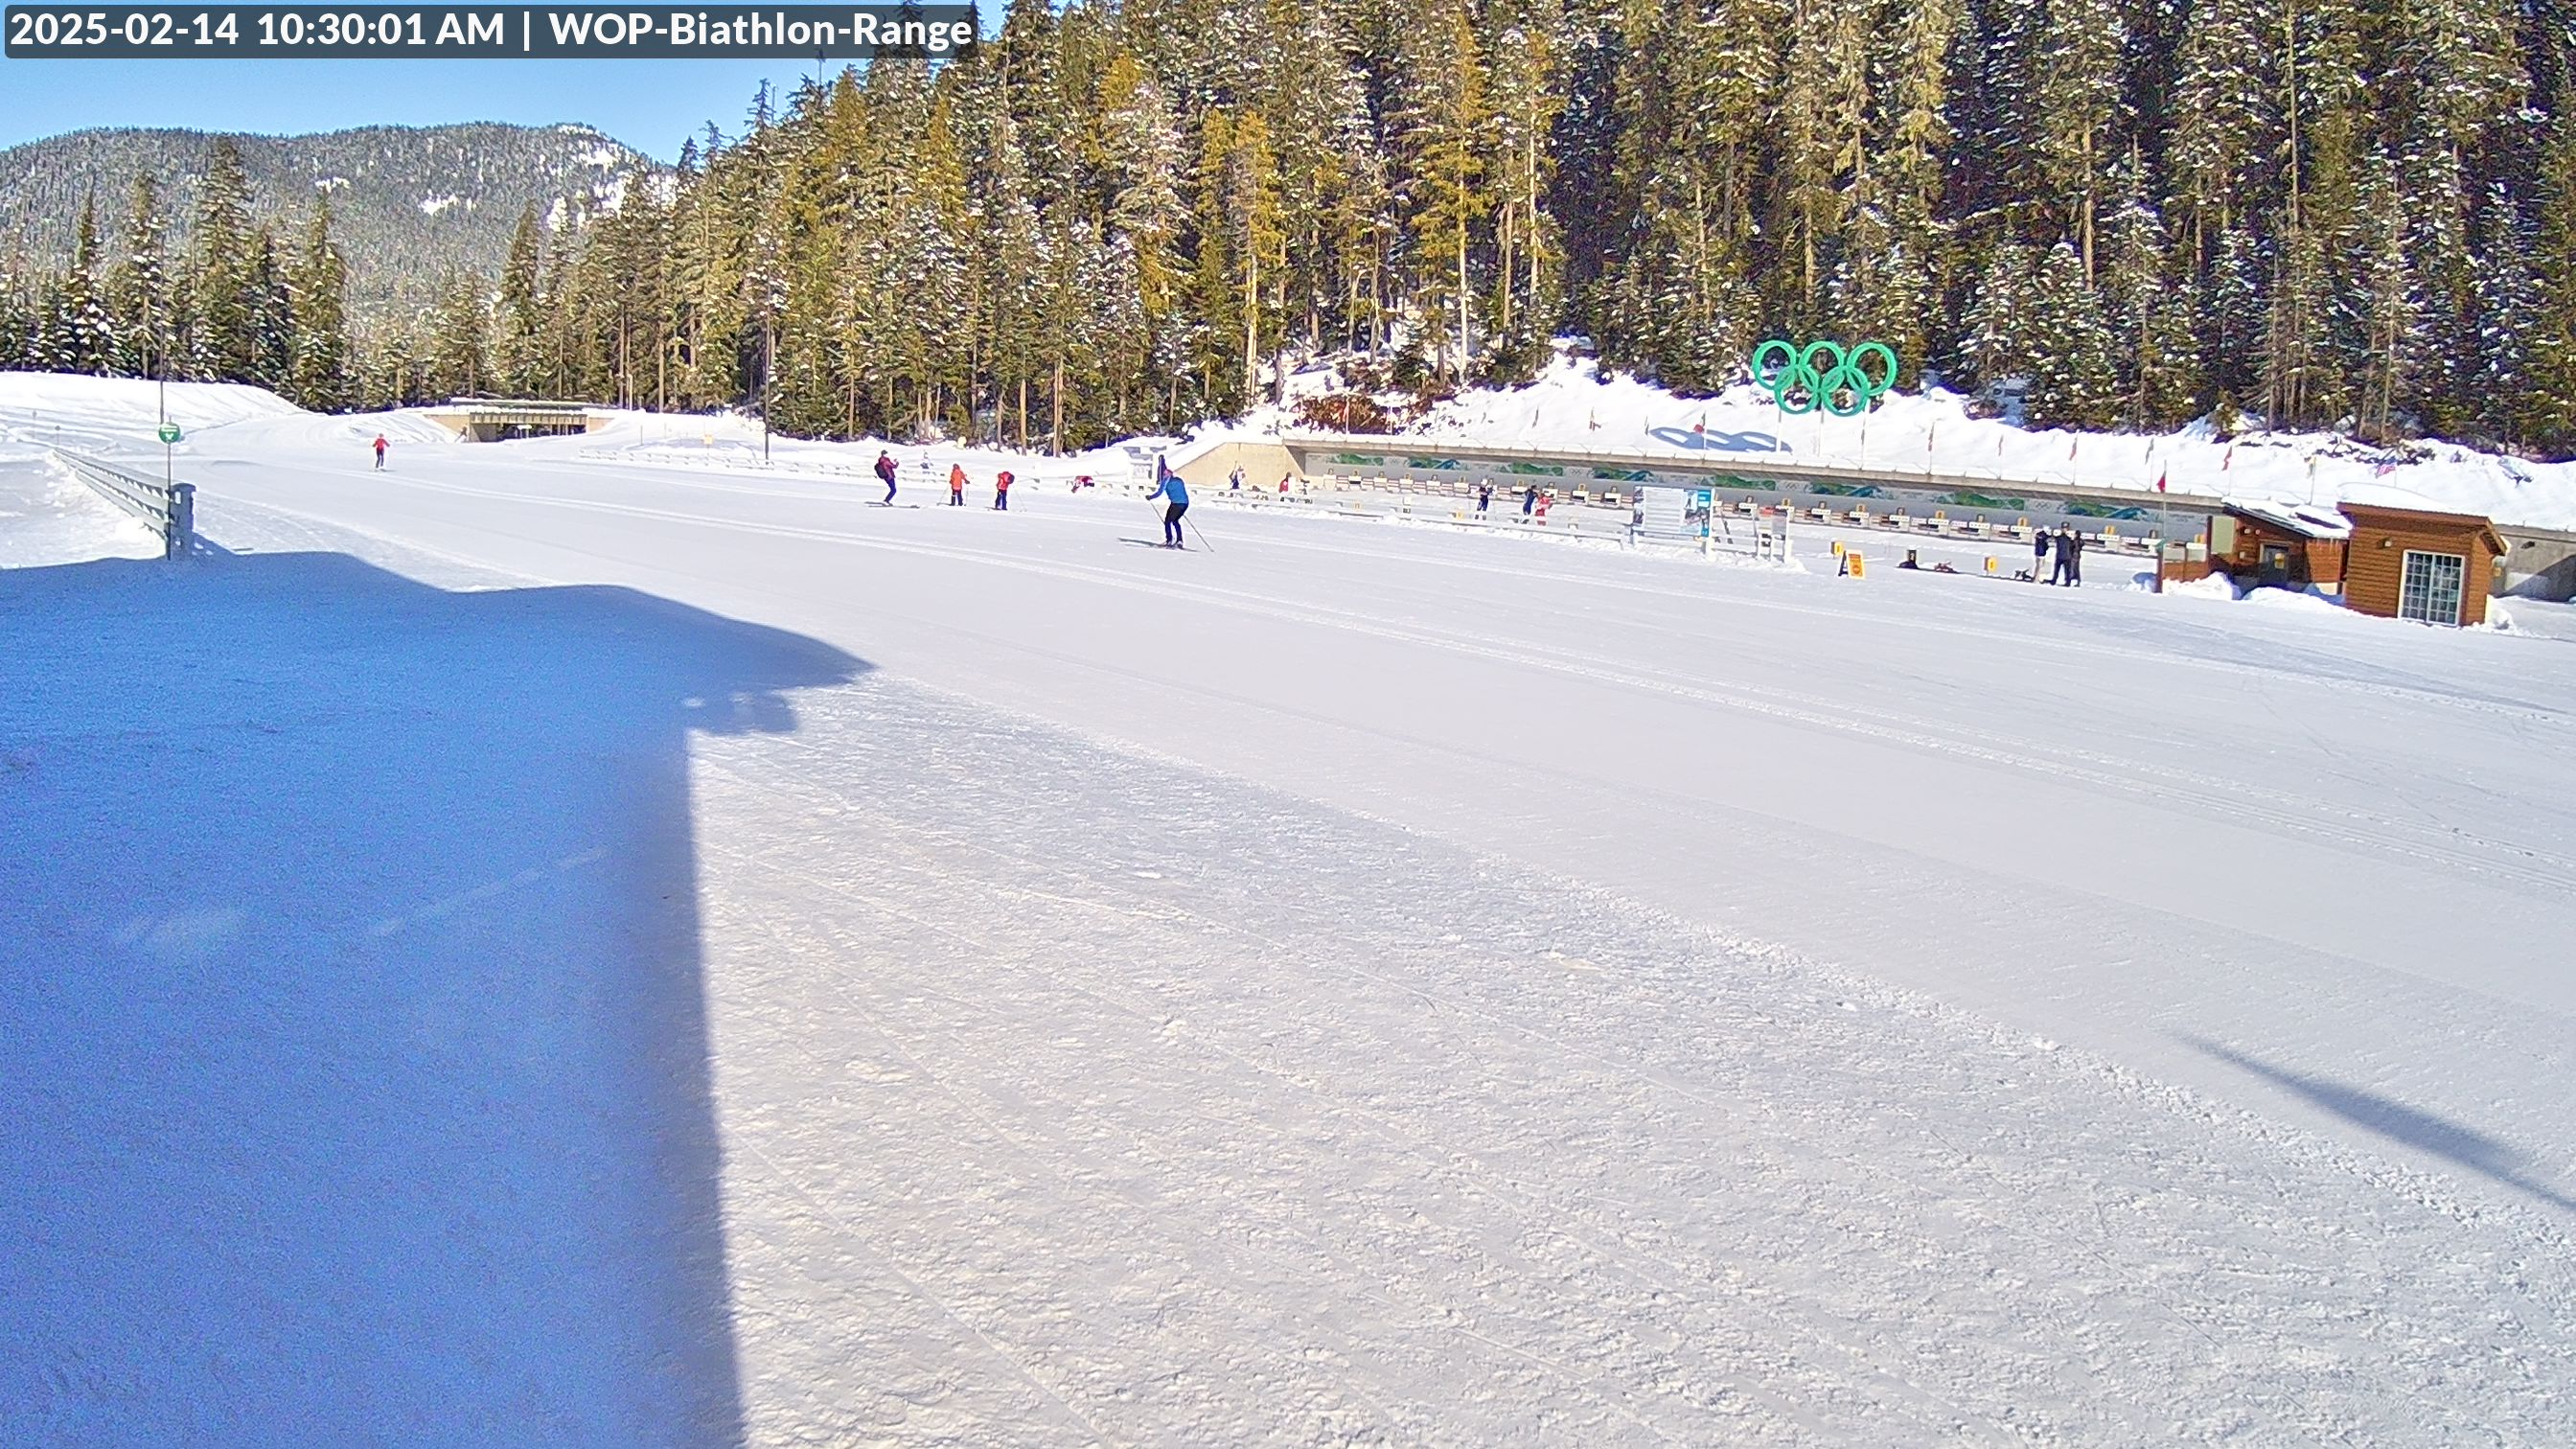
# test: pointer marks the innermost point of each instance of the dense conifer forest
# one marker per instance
(1123, 215)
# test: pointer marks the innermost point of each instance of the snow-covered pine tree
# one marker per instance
(1999, 341)
(2147, 309)
(2078, 112)
(1440, 119)
(138, 286)
(223, 340)
(2072, 381)
(2391, 305)
(87, 338)
(518, 325)
(2550, 413)
(2507, 321)
(318, 374)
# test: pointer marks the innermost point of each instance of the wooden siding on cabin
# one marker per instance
(2375, 567)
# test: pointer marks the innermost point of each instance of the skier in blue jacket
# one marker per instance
(1168, 485)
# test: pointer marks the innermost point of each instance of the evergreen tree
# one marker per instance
(1440, 130)
(2072, 383)
(518, 346)
(2000, 341)
(2550, 412)
(454, 360)
(224, 342)
(85, 338)
(138, 289)
(318, 375)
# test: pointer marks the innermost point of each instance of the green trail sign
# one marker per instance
(169, 432)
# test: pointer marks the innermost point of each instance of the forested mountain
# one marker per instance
(411, 204)
(1125, 213)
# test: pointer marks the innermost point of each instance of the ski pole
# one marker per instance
(1194, 533)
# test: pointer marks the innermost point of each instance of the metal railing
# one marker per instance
(171, 508)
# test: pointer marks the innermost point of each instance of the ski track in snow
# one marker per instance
(1098, 1040)
(1370, 986)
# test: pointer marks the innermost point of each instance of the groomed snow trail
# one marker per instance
(1376, 986)
(1094, 1101)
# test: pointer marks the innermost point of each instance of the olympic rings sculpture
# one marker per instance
(1823, 375)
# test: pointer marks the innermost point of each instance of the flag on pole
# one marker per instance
(2160, 479)
(2229, 461)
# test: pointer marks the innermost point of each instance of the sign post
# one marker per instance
(169, 439)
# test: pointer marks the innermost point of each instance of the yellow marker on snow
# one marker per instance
(1990, 563)
(1853, 564)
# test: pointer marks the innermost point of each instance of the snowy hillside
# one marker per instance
(595, 940)
(1575, 406)
(410, 204)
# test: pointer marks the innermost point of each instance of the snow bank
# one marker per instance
(2216, 586)
(49, 517)
(31, 403)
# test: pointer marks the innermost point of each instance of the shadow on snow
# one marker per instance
(2479, 1153)
(356, 1056)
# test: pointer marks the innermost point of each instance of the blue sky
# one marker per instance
(649, 105)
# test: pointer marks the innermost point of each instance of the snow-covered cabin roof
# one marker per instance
(2307, 520)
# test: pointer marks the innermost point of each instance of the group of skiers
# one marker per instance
(1002, 481)
(1535, 500)
(1167, 487)
(2067, 546)
(1234, 481)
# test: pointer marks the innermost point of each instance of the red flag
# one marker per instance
(2160, 479)
(2071, 446)
(2229, 461)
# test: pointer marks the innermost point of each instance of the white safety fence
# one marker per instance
(169, 507)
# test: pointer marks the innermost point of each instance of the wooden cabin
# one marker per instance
(2265, 545)
(2408, 563)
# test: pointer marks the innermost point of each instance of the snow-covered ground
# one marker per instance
(49, 516)
(546, 945)
(1574, 405)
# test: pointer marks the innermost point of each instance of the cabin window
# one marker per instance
(2429, 590)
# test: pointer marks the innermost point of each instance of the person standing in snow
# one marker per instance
(956, 485)
(380, 452)
(1545, 501)
(1529, 499)
(1168, 485)
(1002, 490)
(885, 470)
(1484, 494)
(1234, 481)
(2070, 551)
(2039, 557)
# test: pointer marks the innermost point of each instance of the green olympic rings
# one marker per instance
(1823, 375)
